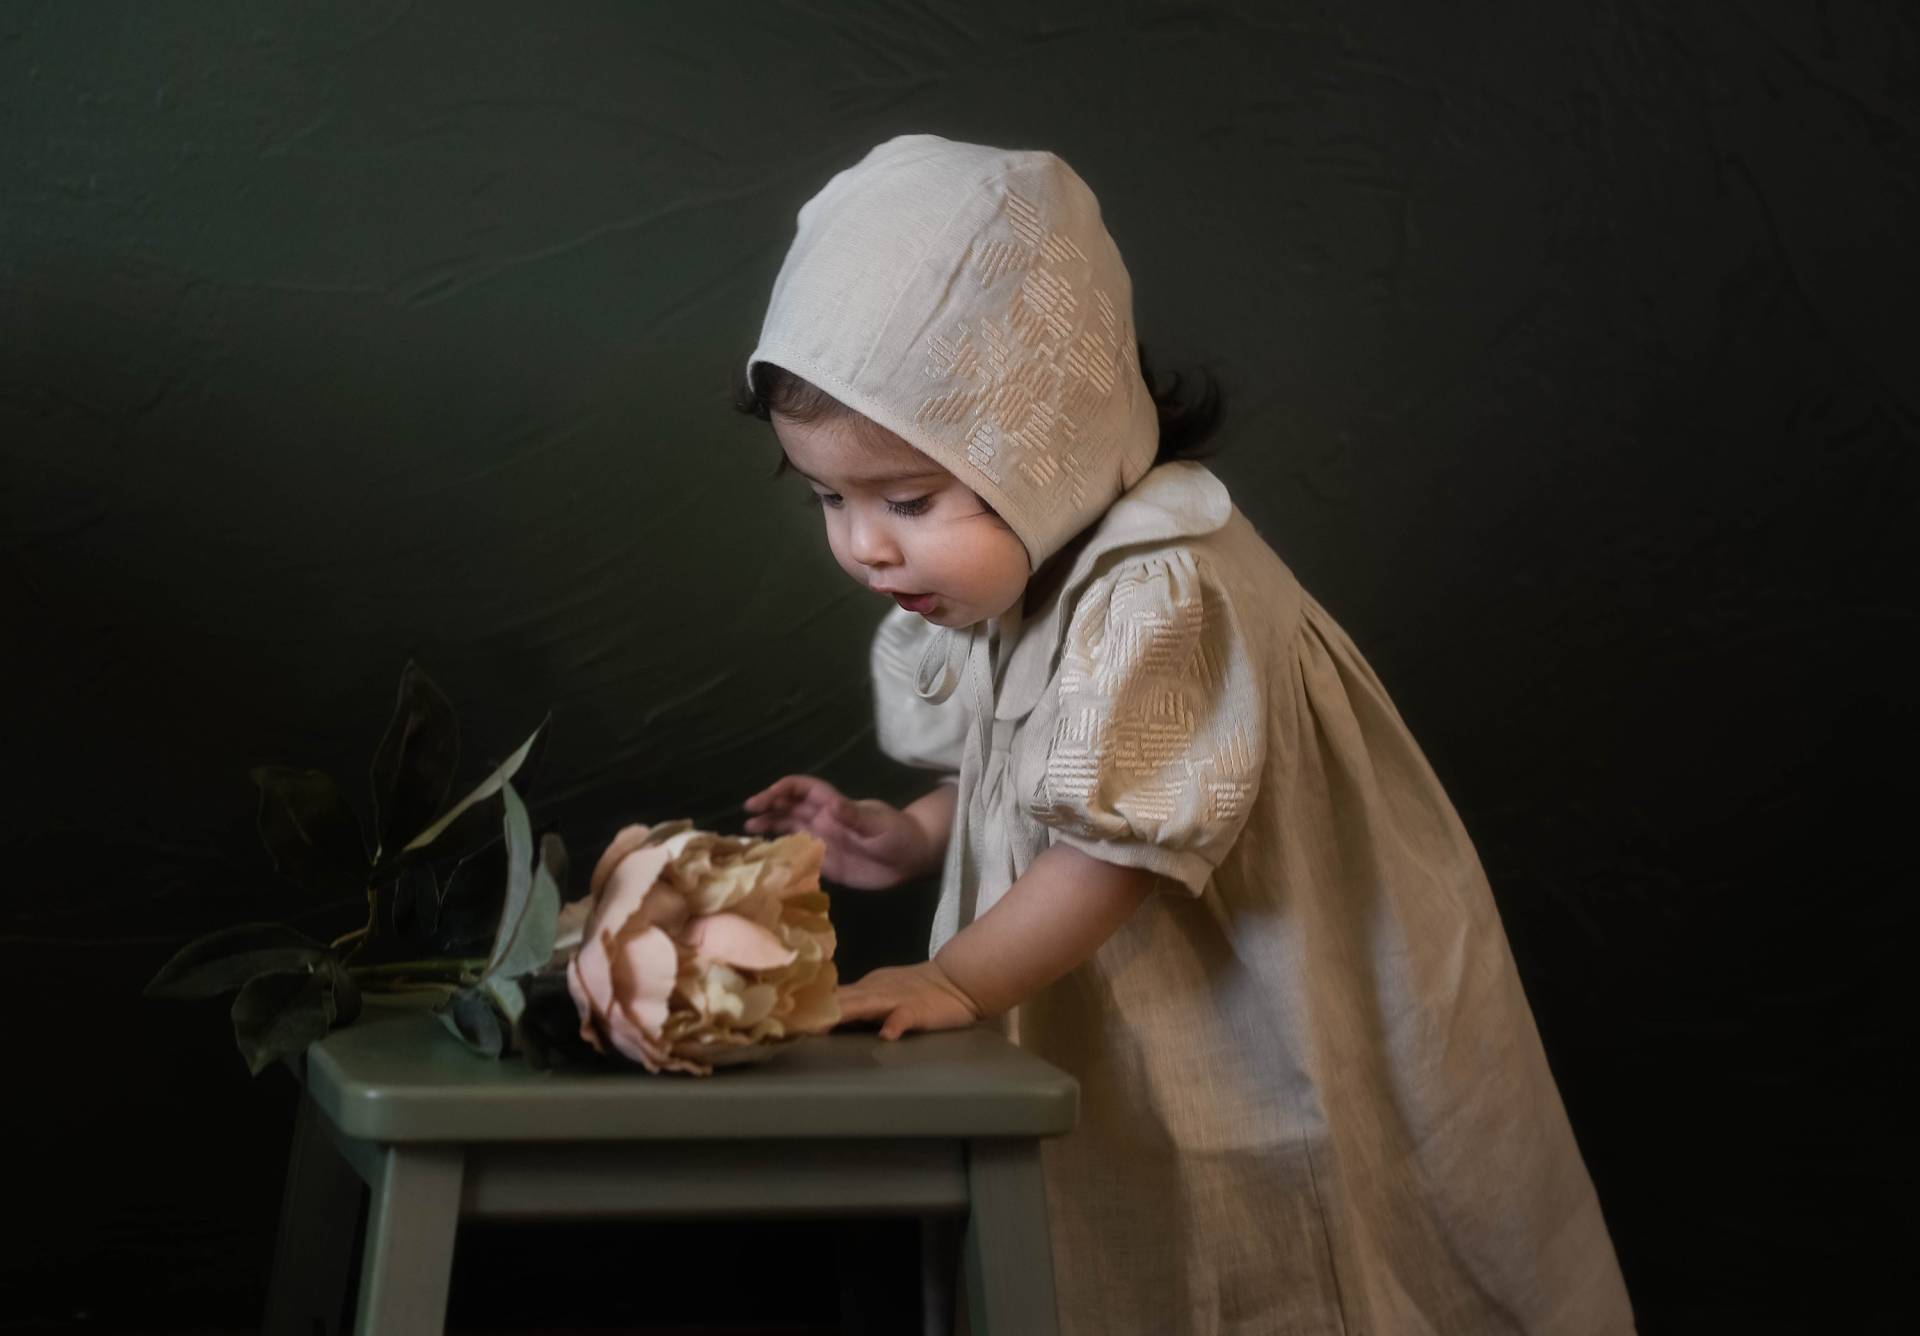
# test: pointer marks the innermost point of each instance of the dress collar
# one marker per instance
(1173, 501)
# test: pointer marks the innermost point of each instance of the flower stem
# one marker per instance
(461, 970)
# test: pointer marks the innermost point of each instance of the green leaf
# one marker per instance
(527, 777)
(416, 904)
(476, 828)
(519, 835)
(487, 787)
(313, 835)
(524, 942)
(278, 1015)
(470, 899)
(507, 997)
(414, 766)
(222, 961)
(469, 1016)
(346, 993)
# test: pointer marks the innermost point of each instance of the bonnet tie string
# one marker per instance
(952, 657)
(941, 664)
(979, 748)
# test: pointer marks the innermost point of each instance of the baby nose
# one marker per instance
(871, 542)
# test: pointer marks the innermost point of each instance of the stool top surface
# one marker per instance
(396, 1075)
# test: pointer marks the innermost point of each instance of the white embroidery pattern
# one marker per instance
(1140, 744)
(1021, 385)
(1227, 797)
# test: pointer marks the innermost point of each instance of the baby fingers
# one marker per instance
(786, 791)
(899, 1021)
(808, 814)
(914, 997)
(897, 1015)
(858, 1004)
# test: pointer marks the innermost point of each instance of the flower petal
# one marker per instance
(738, 942)
(591, 985)
(625, 888)
(645, 968)
(625, 842)
(756, 1004)
(719, 997)
(794, 865)
(632, 1043)
(570, 929)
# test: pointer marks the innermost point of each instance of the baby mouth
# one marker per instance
(920, 603)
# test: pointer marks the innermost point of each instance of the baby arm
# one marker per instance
(1050, 920)
(871, 845)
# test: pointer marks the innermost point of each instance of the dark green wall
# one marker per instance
(1572, 360)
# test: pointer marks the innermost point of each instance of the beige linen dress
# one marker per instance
(1313, 1099)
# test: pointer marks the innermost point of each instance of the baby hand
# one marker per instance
(912, 997)
(871, 845)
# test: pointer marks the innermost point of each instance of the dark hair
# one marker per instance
(1189, 406)
(1187, 421)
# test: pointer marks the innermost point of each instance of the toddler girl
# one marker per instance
(1186, 834)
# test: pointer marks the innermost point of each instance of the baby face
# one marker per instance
(903, 526)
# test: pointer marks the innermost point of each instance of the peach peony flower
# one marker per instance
(693, 947)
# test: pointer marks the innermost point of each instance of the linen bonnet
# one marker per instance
(969, 300)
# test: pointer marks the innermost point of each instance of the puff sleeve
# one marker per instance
(1155, 737)
(912, 731)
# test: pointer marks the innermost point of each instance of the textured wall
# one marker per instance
(1573, 360)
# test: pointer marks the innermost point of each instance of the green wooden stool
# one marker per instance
(945, 1127)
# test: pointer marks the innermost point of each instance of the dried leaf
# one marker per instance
(414, 766)
(313, 835)
(224, 960)
(277, 1015)
(487, 787)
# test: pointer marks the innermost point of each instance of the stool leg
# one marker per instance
(314, 1250)
(1009, 1260)
(411, 1220)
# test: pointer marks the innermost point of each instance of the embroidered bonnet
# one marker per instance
(969, 300)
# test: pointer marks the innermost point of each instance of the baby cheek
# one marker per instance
(1007, 574)
(836, 544)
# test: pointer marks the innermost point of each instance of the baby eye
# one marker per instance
(917, 506)
(831, 500)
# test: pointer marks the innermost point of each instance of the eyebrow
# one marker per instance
(873, 479)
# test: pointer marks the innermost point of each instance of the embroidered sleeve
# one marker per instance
(1159, 738)
(912, 731)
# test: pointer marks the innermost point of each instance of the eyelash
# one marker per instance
(906, 509)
